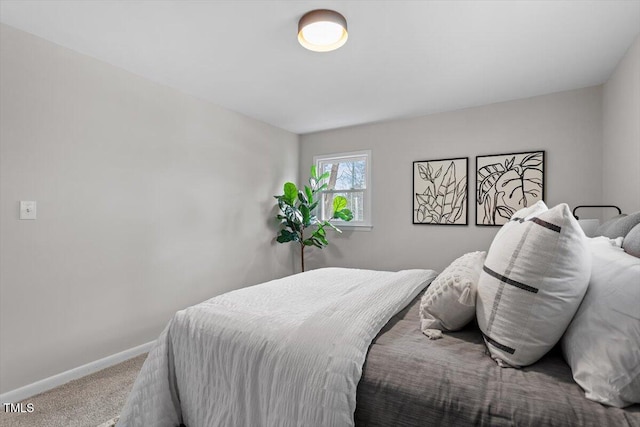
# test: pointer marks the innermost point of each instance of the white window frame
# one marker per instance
(367, 223)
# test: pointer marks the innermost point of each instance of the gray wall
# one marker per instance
(148, 201)
(621, 128)
(567, 125)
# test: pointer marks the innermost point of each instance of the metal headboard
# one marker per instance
(595, 206)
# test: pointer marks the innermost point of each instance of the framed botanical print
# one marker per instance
(440, 191)
(506, 183)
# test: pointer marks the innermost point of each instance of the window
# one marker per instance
(349, 176)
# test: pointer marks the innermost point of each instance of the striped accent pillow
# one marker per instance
(523, 215)
(533, 280)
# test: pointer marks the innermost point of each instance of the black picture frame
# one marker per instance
(522, 177)
(440, 193)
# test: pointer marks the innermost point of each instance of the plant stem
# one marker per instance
(302, 249)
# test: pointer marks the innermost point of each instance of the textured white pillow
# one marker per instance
(532, 283)
(449, 303)
(602, 343)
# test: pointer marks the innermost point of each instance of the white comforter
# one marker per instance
(284, 353)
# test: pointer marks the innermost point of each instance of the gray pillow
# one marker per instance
(631, 242)
(605, 225)
(622, 226)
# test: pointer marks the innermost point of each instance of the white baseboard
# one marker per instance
(38, 387)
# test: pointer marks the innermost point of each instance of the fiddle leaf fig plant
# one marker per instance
(297, 207)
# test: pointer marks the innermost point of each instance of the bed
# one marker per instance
(402, 367)
(338, 347)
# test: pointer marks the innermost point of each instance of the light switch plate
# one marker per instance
(27, 209)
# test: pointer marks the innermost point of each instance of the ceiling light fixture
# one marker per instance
(322, 30)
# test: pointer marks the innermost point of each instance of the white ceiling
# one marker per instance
(402, 59)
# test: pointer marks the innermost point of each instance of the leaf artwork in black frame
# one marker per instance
(440, 191)
(506, 183)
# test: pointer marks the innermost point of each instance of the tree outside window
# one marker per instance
(349, 178)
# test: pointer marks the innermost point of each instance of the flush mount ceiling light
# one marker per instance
(322, 30)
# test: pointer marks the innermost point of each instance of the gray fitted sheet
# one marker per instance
(409, 380)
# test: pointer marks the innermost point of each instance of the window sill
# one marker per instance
(354, 227)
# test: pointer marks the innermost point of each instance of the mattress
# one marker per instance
(409, 380)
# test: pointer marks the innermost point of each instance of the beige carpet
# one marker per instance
(87, 402)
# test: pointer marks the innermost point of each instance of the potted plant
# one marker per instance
(297, 215)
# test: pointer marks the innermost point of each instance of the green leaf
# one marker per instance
(302, 197)
(322, 240)
(344, 215)
(327, 223)
(313, 205)
(290, 193)
(339, 203)
(314, 172)
(304, 210)
(293, 214)
(322, 187)
(287, 236)
(308, 242)
(295, 226)
(325, 175)
(309, 194)
(319, 233)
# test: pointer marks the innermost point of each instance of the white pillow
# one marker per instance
(602, 240)
(532, 283)
(534, 210)
(602, 343)
(523, 215)
(449, 303)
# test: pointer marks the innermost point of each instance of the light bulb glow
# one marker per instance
(322, 33)
(322, 30)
